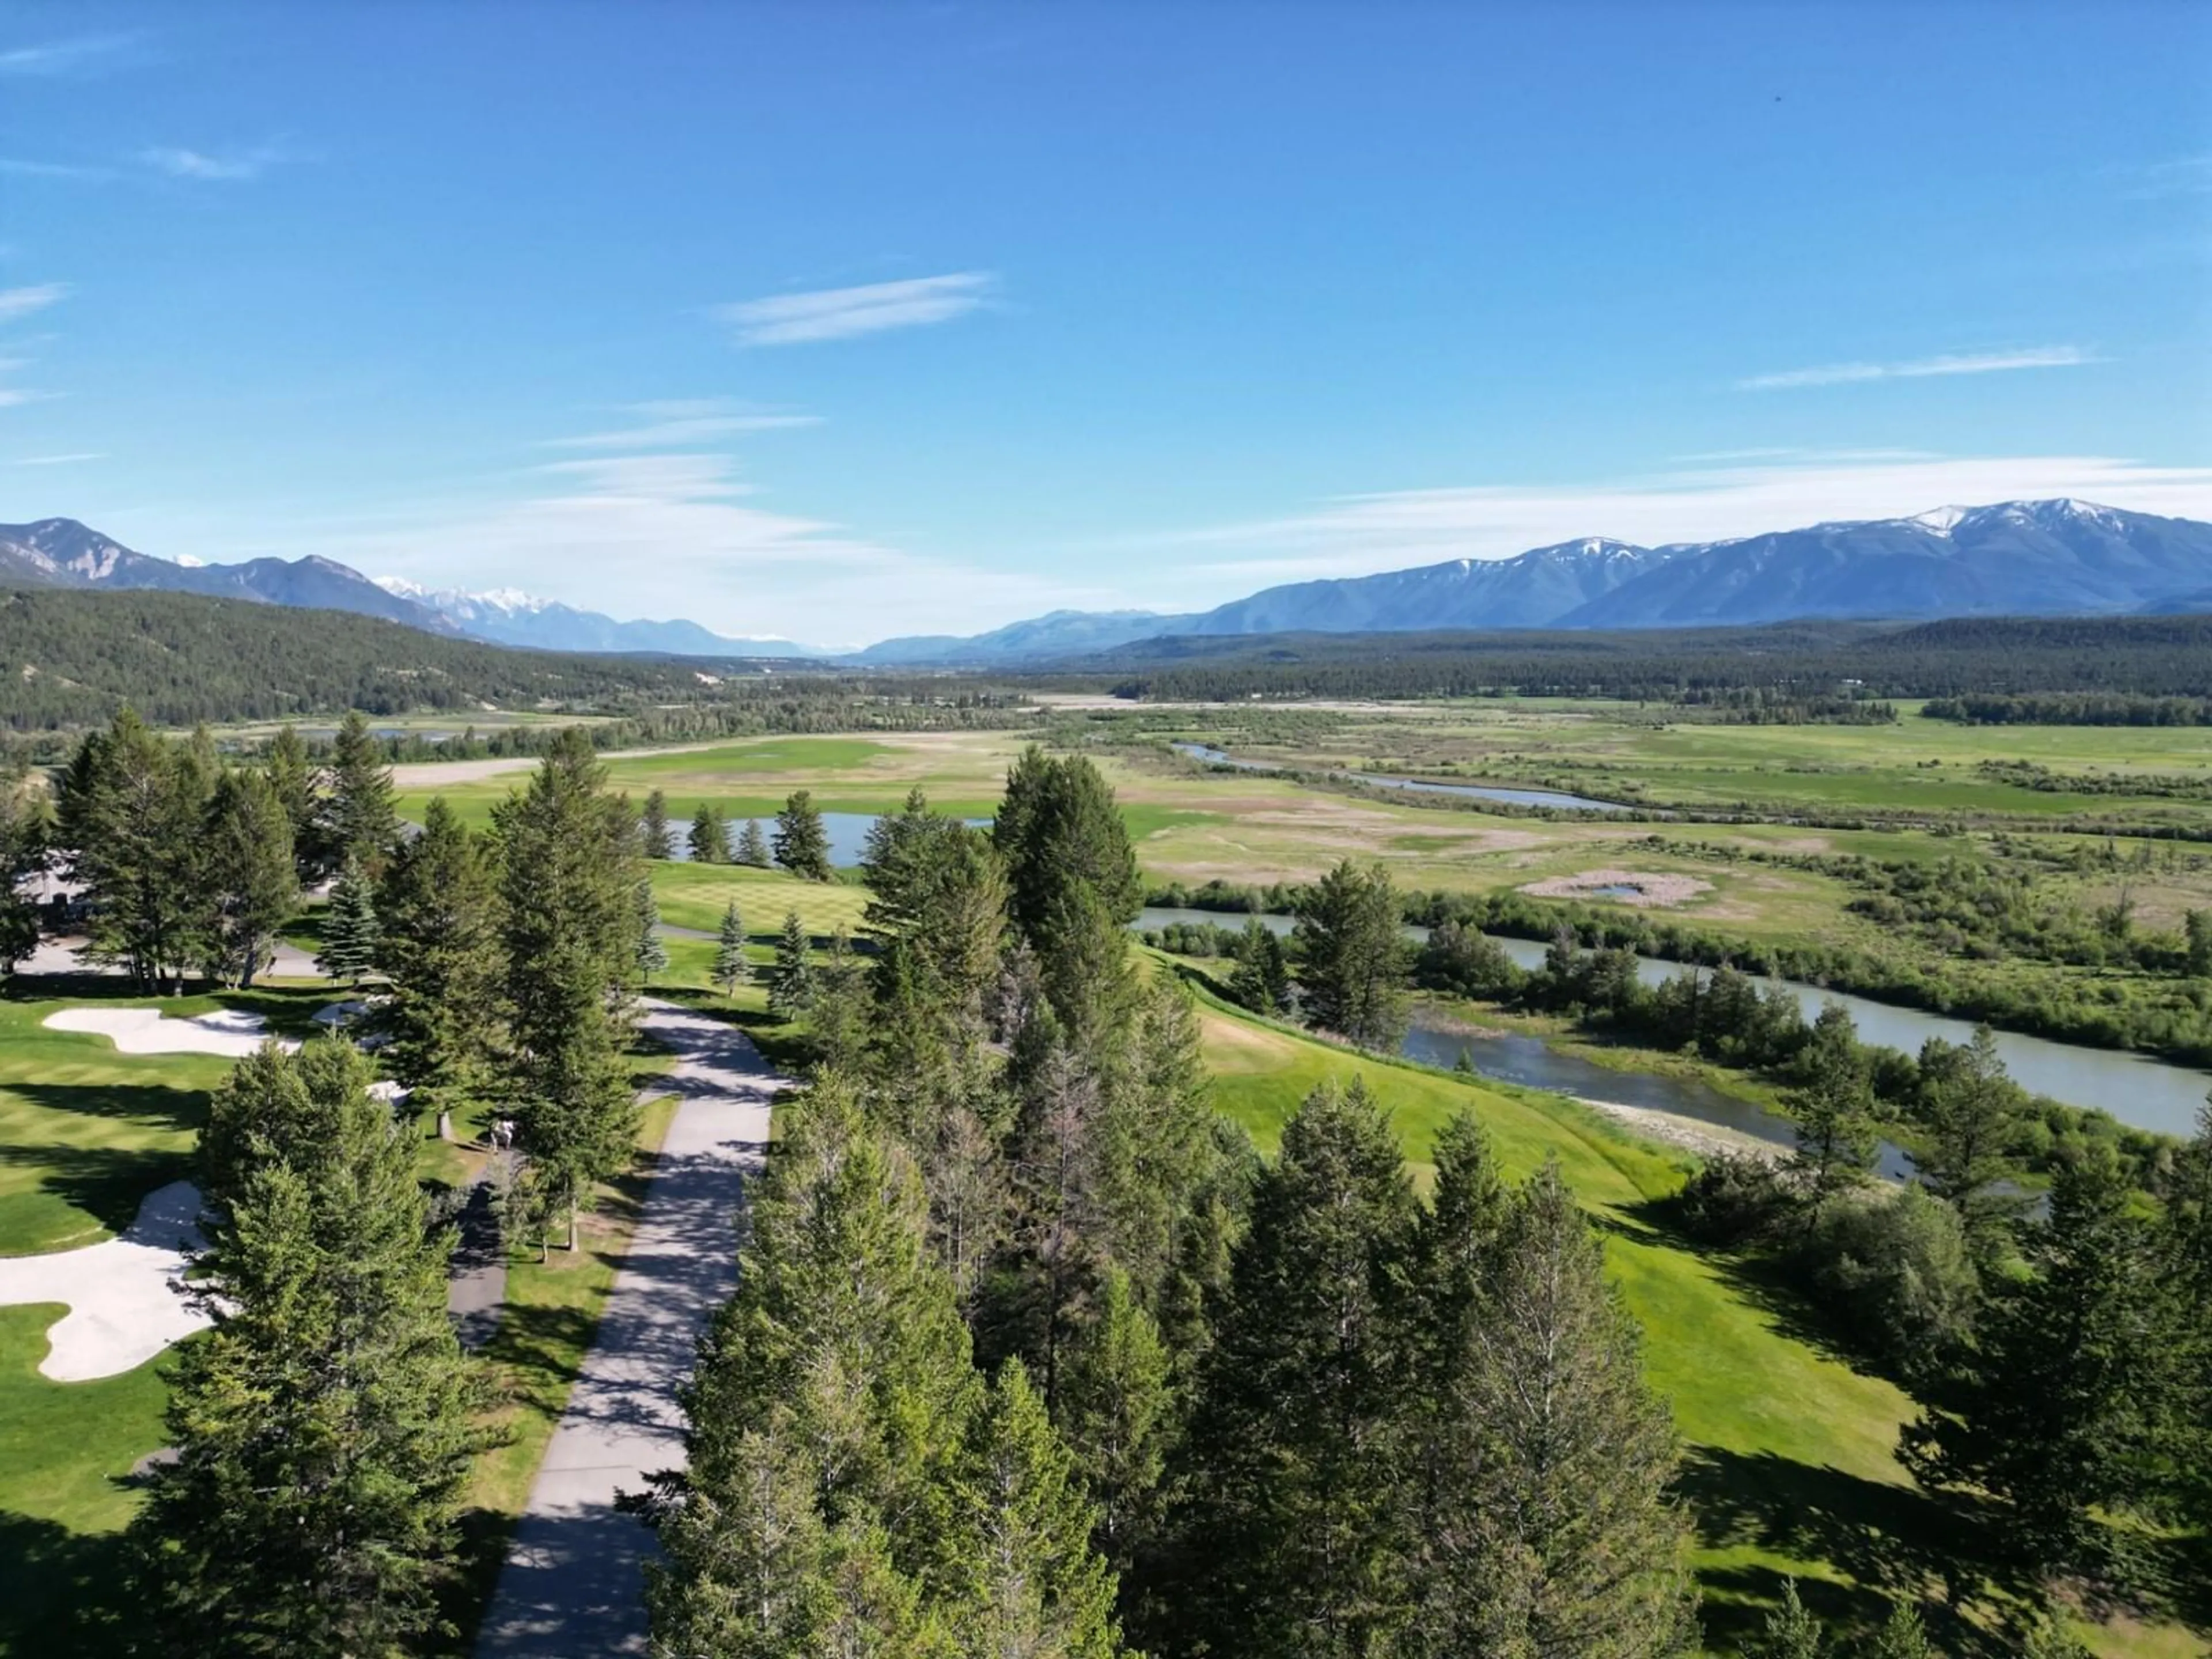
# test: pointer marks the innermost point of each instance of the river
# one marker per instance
(1557, 799)
(2138, 1089)
(847, 834)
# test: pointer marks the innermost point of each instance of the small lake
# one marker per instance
(2138, 1091)
(1556, 798)
(847, 834)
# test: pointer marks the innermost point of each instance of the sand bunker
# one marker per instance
(124, 1297)
(1622, 887)
(150, 1031)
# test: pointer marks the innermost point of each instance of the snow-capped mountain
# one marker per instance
(507, 615)
(2015, 558)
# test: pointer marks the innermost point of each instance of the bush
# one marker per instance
(1893, 1268)
(1734, 1200)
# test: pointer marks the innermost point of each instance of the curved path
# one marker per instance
(574, 1583)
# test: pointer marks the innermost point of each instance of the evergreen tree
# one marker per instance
(1351, 957)
(1832, 1104)
(1116, 1411)
(292, 775)
(1547, 1525)
(2184, 1250)
(1073, 886)
(1903, 1636)
(439, 946)
(2048, 1637)
(652, 950)
(1969, 1107)
(350, 927)
(326, 1427)
(131, 817)
(2052, 1405)
(791, 977)
(24, 832)
(654, 836)
(730, 968)
(360, 821)
(753, 846)
(1262, 980)
(826, 1416)
(1461, 962)
(1790, 1632)
(1020, 1576)
(569, 882)
(2196, 931)
(709, 840)
(802, 845)
(1156, 1148)
(1458, 1236)
(1289, 1544)
(251, 881)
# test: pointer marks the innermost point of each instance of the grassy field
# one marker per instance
(1788, 1448)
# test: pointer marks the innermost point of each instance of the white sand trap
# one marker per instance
(229, 1033)
(124, 1301)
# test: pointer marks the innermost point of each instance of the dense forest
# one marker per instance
(72, 659)
(2160, 657)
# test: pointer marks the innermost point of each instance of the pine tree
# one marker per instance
(1351, 957)
(1262, 980)
(791, 977)
(360, 821)
(1547, 1525)
(2185, 1252)
(24, 833)
(350, 927)
(1969, 1108)
(753, 846)
(651, 950)
(2048, 1637)
(802, 846)
(439, 946)
(1832, 1104)
(1116, 1411)
(826, 1416)
(292, 775)
(1902, 1635)
(252, 883)
(1289, 1537)
(1073, 886)
(654, 833)
(569, 882)
(1020, 1576)
(326, 1427)
(730, 968)
(130, 817)
(1790, 1632)
(709, 840)
(2052, 1408)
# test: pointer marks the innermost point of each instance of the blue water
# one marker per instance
(847, 834)
(1558, 800)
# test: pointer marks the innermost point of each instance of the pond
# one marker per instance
(847, 834)
(2138, 1091)
(1557, 799)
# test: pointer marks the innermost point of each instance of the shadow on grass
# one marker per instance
(62, 1592)
(107, 1183)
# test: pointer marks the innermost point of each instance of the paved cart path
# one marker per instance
(573, 1580)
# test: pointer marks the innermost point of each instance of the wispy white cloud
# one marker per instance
(63, 57)
(22, 301)
(684, 421)
(1361, 534)
(1984, 362)
(228, 166)
(58, 460)
(16, 166)
(840, 313)
(2183, 175)
(681, 534)
(16, 396)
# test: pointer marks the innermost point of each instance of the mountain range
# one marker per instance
(2015, 558)
(63, 553)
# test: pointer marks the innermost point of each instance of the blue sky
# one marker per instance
(844, 320)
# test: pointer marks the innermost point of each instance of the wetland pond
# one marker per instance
(847, 832)
(2140, 1091)
(1557, 799)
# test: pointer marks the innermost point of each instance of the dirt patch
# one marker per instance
(1643, 889)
